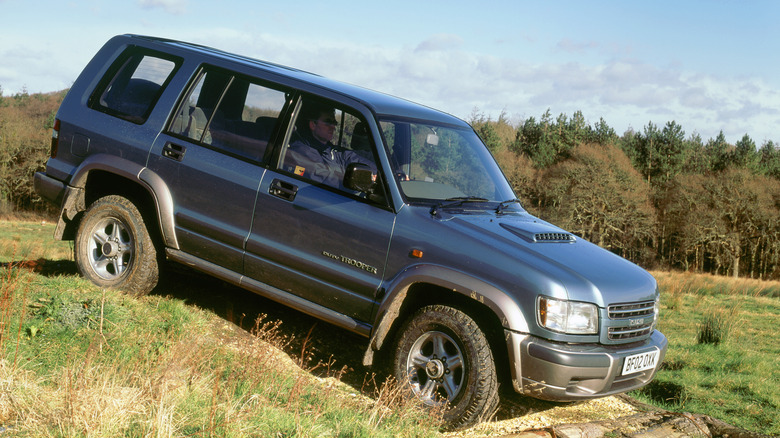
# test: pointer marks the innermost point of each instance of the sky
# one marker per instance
(709, 66)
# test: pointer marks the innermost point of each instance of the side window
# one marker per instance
(230, 113)
(133, 85)
(327, 138)
(196, 110)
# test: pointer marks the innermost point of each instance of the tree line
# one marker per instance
(656, 197)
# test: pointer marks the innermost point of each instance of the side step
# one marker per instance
(270, 292)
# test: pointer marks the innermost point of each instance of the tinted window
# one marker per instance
(133, 85)
(229, 113)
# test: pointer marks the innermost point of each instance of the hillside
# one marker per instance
(202, 357)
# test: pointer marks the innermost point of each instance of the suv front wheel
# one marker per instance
(114, 249)
(445, 360)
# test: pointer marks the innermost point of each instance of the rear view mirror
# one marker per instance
(432, 140)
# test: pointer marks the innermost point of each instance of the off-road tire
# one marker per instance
(444, 358)
(113, 248)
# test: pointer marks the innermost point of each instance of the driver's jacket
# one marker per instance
(320, 162)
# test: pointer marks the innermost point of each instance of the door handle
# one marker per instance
(282, 189)
(174, 151)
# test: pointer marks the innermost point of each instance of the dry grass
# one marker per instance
(675, 284)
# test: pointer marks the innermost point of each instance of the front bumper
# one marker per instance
(569, 372)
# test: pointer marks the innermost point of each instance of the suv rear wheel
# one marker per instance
(114, 249)
(444, 359)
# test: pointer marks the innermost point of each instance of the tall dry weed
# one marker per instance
(14, 289)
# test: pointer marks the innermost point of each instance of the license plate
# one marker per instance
(640, 362)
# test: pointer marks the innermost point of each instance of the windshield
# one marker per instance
(435, 163)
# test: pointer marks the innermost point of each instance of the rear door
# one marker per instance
(212, 155)
(317, 239)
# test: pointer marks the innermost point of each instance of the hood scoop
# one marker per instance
(540, 233)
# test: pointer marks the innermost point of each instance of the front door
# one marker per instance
(312, 237)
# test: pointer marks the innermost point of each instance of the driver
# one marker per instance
(312, 154)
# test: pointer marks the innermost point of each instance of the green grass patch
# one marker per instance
(31, 241)
(737, 378)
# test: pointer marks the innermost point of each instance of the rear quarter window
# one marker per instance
(133, 84)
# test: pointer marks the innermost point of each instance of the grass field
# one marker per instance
(26, 240)
(737, 378)
(79, 361)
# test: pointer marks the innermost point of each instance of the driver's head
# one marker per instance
(322, 122)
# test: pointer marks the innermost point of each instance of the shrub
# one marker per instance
(717, 325)
(25, 138)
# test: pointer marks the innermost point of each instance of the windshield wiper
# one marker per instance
(505, 204)
(454, 202)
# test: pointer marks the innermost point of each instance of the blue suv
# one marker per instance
(380, 216)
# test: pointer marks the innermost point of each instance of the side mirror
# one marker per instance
(359, 177)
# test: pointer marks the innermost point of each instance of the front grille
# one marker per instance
(631, 311)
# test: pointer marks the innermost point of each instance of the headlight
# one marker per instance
(568, 316)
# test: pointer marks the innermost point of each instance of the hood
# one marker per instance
(552, 260)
